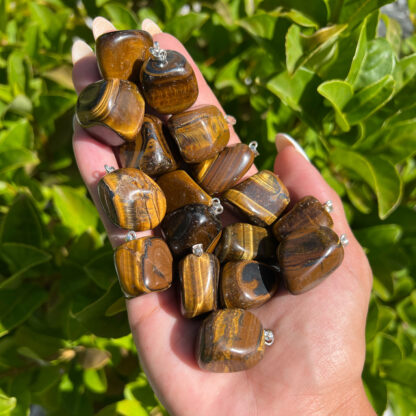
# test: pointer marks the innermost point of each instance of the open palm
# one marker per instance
(315, 364)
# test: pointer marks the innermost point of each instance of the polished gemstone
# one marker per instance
(180, 190)
(200, 133)
(143, 266)
(242, 241)
(131, 199)
(190, 225)
(169, 86)
(307, 213)
(225, 169)
(230, 340)
(262, 197)
(120, 54)
(308, 256)
(247, 284)
(112, 110)
(199, 276)
(150, 151)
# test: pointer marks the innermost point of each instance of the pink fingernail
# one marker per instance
(284, 140)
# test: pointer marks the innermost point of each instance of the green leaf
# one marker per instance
(15, 158)
(354, 11)
(376, 390)
(7, 404)
(95, 380)
(18, 305)
(338, 93)
(53, 105)
(379, 235)
(19, 135)
(369, 100)
(182, 27)
(378, 173)
(75, 210)
(17, 72)
(94, 319)
(46, 378)
(261, 25)
(121, 16)
(403, 372)
(386, 350)
(100, 269)
(378, 62)
(20, 258)
(123, 408)
(402, 400)
(22, 224)
(404, 71)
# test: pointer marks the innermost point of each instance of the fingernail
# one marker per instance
(284, 140)
(150, 26)
(80, 49)
(100, 25)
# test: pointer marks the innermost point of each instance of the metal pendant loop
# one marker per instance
(268, 337)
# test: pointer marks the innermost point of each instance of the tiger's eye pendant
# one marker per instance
(307, 257)
(150, 151)
(230, 340)
(120, 54)
(112, 110)
(307, 213)
(200, 133)
(199, 275)
(262, 197)
(143, 265)
(180, 190)
(168, 81)
(242, 241)
(223, 171)
(247, 284)
(190, 225)
(131, 199)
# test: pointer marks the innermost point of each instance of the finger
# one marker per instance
(91, 156)
(85, 70)
(100, 25)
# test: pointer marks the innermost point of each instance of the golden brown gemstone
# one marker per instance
(190, 225)
(230, 340)
(199, 277)
(307, 256)
(241, 241)
(224, 170)
(143, 266)
(169, 87)
(262, 197)
(131, 199)
(150, 151)
(200, 133)
(180, 190)
(112, 110)
(247, 284)
(121, 54)
(307, 213)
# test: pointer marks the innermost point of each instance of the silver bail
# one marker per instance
(131, 235)
(328, 206)
(159, 54)
(109, 169)
(216, 207)
(253, 146)
(344, 240)
(198, 250)
(268, 337)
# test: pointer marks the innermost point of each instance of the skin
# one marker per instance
(313, 368)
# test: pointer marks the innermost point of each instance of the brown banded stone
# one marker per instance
(150, 151)
(120, 54)
(223, 171)
(230, 340)
(143, 266)
(180, 190)
(112, 110)
(190, 225)
(200, 133)
(199, 276)
(262, 197)
(171, 87)
(308, 256)
(242, 241)
(131, 199)
(307, 213)
(247, 284)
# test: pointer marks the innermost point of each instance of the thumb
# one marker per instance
(303, 179)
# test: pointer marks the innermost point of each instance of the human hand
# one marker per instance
(315, 364)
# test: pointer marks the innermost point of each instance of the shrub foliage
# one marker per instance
(316, 69)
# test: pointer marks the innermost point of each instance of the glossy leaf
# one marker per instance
(183, 26)
(123, 408)
(15, 158)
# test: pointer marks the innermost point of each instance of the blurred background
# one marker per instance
(338, 75)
